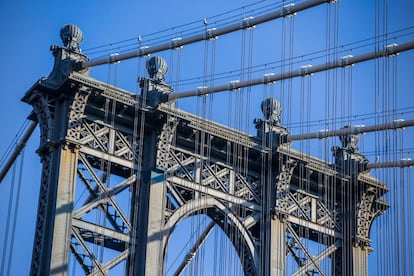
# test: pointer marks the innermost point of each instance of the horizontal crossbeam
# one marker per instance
(213, 192)
(105, 232)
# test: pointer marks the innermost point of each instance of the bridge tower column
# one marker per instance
(149, 249)
(58, 115)
(278, 172)
(150, 201)
(359, 208)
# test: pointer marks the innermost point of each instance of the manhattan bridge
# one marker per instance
(150, 182)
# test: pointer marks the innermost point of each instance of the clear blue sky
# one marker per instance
(29, 28)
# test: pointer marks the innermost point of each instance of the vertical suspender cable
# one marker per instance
(135, 157)
(16, 212)
(291, 19)
(9, 214)
(283, 98)
(326, 104)
(381, 249)
(12, 215)
(267, 139)
(390, 175)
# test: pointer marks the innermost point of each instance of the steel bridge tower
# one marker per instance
(174, 164)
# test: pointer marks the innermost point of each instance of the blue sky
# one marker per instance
(29, 28)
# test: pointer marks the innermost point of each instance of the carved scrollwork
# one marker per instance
(365, 216)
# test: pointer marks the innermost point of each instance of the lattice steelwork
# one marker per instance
(171, 164)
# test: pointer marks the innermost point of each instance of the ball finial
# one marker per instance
(272, 110)
(157, 68)
(349, 141)
(71, 36)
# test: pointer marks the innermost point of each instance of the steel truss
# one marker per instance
(269, 199)
(189, 165)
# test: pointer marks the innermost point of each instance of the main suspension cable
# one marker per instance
(247, 22)
(303, 71)
(17, 150)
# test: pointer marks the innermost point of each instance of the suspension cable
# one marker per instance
(208, 34)
(300, 59)
(186, 28)
(16, 212)
(353, 130)
(18, 148)
(12, 214)
(269, 78)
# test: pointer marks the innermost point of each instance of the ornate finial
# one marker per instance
(347, 157)
(349, 141)
(71, 37)
(157, 68)
(270, 125)
(272, 110)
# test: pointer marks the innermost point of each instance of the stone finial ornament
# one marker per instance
(68, 58)
(71, 36)
(157, 68)
(270, 128)
(349, 141)
(272, 110)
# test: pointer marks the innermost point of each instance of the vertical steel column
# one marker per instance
(275, 186)
(351, 258)
(58, 112)
(65, 189)
(360, 261)
(59, 157)
(154, 264)
(272, 235)
(277, 208)
(277, 247)
(55, 213)
(357, 203)
(149, 222)
(140, 210)
(347, 202)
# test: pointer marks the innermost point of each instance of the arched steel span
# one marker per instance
(249, 22)
(193, 206)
